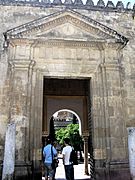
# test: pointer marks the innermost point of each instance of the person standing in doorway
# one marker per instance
(69, 169)
(49, 151)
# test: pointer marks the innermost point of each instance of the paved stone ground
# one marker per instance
(78, 172)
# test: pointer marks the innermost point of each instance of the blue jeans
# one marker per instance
(48, 170)
(69, 171)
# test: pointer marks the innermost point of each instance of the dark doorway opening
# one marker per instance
(66, 87)
(73, 94)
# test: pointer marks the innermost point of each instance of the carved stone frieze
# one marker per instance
(67, 43)
(71, 19)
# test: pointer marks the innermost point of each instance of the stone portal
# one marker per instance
(72, 94)
(69, 46)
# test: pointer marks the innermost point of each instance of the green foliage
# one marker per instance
(71, 132)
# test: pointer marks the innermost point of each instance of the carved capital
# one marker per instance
(85, 136)
(44, 133)
(22, 64)
(111, 65)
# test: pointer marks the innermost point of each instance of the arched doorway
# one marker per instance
(68, 116)
(71, 94)
(66, 123)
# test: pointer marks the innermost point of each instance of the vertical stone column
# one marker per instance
(36, 128)
(114, 111)
(113, 102)
(20, 108)
(20, 99)
(86, 154)
(101, 137)
(105, 124)
(109, 112)
(100, 116)
(131, 149)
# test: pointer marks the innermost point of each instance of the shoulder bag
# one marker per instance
(54, 160)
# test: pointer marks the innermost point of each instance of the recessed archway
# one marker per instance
(66, 123)
(72, 95)
(71, 112)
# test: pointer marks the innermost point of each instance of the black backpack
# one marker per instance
(73, 157)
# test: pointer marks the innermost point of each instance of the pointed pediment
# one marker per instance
(68, 31)
(67, 25)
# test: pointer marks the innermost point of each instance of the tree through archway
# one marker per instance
(65, 123)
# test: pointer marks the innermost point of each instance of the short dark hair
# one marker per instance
(48, 140)
(67, 140)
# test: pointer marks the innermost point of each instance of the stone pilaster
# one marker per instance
(109, 123)
(20, 110)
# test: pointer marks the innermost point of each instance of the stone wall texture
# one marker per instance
(113, 77)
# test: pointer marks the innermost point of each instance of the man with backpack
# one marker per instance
(69, 169)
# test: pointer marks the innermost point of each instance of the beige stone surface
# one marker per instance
(66, 45)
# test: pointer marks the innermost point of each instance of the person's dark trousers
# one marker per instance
(54, 174)
(69, 171)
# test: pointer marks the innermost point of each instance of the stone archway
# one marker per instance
(65, 94)
(75, 114)
(61, 94)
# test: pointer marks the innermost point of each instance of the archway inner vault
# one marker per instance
(65, 94)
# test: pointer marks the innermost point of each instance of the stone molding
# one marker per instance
(22, 64)
(100, 45)
(111, 65)
(85, 134)
(41, 25)
(60, 43)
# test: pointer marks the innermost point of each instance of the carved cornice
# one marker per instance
(98, 44)
(21, 41)
(34, 28)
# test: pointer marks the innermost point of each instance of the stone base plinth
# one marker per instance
(113, 171)
(26, 171)
(113, 174)
(23, 171)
